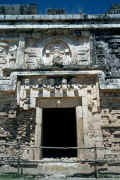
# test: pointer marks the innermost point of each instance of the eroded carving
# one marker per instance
(57, 53)
(111, 137)
(111, 117)
(32, 58)
(82, 53)
(108, 54)
(8, 52)
(3, 52)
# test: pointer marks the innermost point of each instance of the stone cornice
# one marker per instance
(84, 26)
(68, 21)
(65, 17)
(109, 84)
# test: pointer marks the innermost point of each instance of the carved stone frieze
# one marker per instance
(56, 82)
(61, 61)
(32, 58)
(108, 54)
(3, 52)
(110, 104)
(111, 117)
(82, 52)
(57, 52)
(30, 89)
(8, 51)
(101, 48)
(111, 137)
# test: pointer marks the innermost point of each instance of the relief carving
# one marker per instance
(111, 138)
(101, 48)
(8, 52)
(82, 53)
(52, 87)
(108, 54)
(111, 117)
(3, 52)
(32, 57)
(12, 53)
(57, 53)
(81, 57)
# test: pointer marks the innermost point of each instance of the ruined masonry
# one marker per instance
(60, 79)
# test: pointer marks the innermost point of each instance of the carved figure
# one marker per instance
(56, 53)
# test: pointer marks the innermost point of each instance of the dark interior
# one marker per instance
(59, 130)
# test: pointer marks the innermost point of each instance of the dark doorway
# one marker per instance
(59, 130)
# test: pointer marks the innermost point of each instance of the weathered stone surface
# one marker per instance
(69, 63)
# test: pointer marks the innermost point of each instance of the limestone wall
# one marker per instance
(61, 64)
(100, 111)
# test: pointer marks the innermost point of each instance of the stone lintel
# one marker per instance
(54, 73)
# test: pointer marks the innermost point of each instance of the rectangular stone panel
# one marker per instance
(59, 102)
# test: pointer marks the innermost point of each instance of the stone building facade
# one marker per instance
(60, 79)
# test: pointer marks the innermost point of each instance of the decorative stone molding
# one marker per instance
(107, 53)
(56, 53)
(111, 140)
(8, 52)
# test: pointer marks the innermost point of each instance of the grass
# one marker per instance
(15, 176)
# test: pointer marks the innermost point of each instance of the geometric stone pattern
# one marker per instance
(68, 61)
(29, 90)
(107, 53)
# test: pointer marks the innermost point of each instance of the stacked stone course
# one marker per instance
(56, 64)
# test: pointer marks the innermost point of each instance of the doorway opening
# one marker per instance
(59, 130)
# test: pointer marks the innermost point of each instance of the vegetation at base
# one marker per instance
(15, 176)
